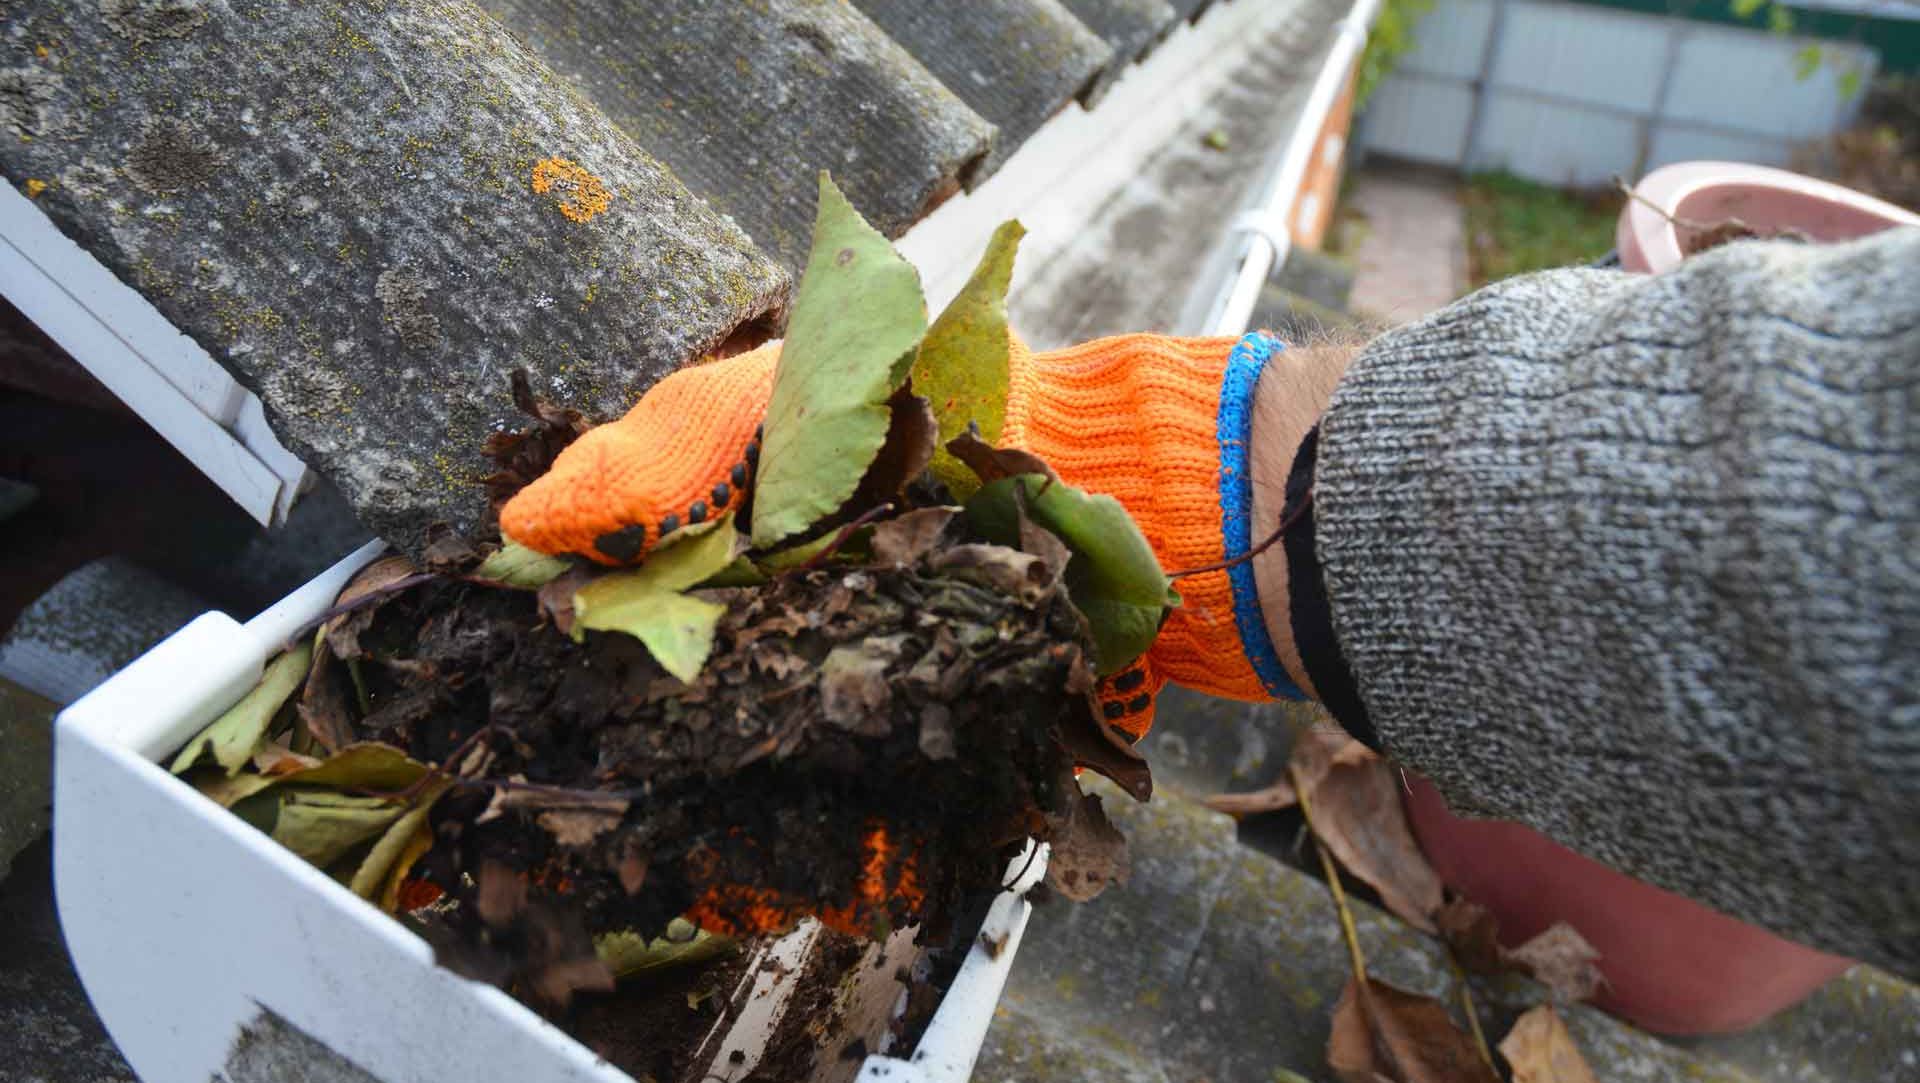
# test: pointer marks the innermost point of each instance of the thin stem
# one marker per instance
(1347, 927)
(1279, 532)
(1362, 986)
(374, 595)
(1473, 1016)
(846, 532)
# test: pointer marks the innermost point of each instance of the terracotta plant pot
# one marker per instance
(1672, 965)
(1709, 193)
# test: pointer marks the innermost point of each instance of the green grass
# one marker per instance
(1515, 226)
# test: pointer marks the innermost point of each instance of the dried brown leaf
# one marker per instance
(273, 759)
(904, 540)
(580, 826)
(447, 550)
(1474, 936)
(1412, 1039)
(853, 686)
(1358, 816)
(1271, 799)
(1009, 571)
(500, 894)
(1563, 961)
(1089, 853)
(1045, 544)
(908, 448)
(991, 463)
(326, 706)
(555, 597)
(520, 457)
(343, 632)
(1541, 1050)
(1097, 748)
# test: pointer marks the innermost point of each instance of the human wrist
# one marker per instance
(1294, 391)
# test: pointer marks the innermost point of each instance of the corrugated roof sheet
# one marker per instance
(370, 214)
(748, 102)
(1130, 27)
(1016, 62)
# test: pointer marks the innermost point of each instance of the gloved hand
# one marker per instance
(1160, 424)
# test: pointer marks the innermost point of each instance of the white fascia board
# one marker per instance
(156, 369)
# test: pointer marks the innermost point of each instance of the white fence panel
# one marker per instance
(1747, 81)
(1569, 93)
(1586, 55)
(1685, 143)
(1421, 119)
(1554, 142)
(1452, 46)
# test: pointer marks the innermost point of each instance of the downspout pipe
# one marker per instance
(1269, 226)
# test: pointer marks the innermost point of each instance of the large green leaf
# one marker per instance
(321, 826)
(369, 765)
(647, 602)
(233, 736)
(518, 566)
(377, 869)
(962, 367)
(856, 319)
(628, 954)
(1113, 578)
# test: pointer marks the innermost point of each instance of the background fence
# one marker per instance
(1569, 93)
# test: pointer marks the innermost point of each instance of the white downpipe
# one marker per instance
(1269, 228)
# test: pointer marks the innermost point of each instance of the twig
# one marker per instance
(1694, 224)
(1473, 1016)
(341, 610)
(840, 539)
(1279, 532)
(1362, 989)
(1347, 927)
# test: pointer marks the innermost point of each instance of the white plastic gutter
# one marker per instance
(156, 369)
(1269, 226)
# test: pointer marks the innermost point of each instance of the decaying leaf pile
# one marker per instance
(854, 705)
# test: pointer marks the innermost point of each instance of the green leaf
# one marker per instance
(1806, 61)
(233, 736)
(518, 566)
(629, 954)
(794, 556)
(1745, 9)
(368, 765)
(856, 319)
(646, 602)
(321, 826)
(1113, 578)
(740, 573)
(376, 870)
(1849, 82)
(962, 367)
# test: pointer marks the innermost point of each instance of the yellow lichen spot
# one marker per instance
(34, 187)
(579, 194)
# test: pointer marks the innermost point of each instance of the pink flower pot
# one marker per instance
(1672, 965)
(1762, 197)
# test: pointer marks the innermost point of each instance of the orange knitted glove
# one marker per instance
(1158, 423)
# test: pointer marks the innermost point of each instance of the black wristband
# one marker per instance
(1308, 612)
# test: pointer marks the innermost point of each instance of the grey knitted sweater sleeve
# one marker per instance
(1636, 561)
